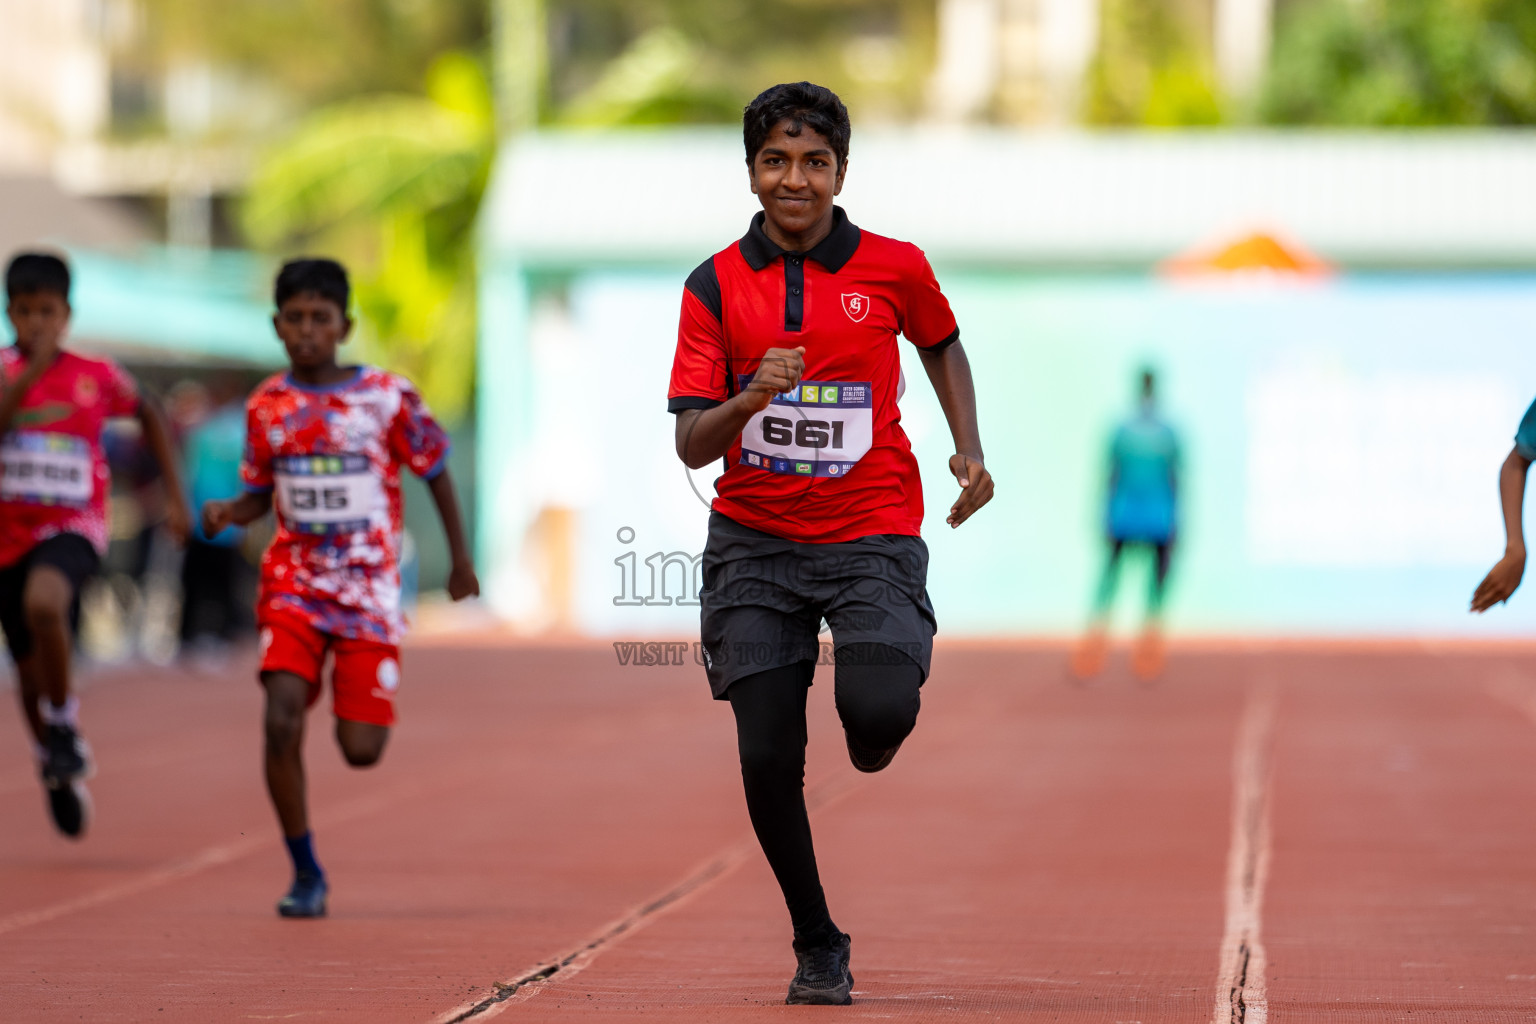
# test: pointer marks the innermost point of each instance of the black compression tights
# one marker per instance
(877, 699)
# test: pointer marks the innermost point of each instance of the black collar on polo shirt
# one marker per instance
(831, 252)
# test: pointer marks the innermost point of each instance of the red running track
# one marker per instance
(1292, 835)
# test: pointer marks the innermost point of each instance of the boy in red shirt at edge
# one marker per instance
(328, 442)
(53, 510)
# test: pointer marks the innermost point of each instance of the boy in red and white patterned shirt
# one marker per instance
(54, 483)
(327, 442)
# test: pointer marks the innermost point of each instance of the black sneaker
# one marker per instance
(64, 774)
(306, 898)
(823, 977)
(70, 805)
(69, 756)
(868, 759)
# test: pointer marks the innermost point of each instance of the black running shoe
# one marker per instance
(70, 805)
(306, 898)
(64, 774)
(823, 977)
(868, 759)
(69, 756)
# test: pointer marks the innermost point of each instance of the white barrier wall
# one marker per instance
(1343, 438)
(1342, 444)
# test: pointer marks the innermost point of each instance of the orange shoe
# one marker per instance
(1147, 658)
(1088, 659)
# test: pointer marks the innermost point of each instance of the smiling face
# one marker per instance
(311, 327)
(795, 177)
(39, 319)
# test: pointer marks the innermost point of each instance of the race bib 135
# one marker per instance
(324, 494)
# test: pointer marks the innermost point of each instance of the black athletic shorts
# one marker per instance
(763, 599)
(69, 553)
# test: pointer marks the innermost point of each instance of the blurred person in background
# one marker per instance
(215, 575)
(187, 405)
(131, 613)
(325, 444)
(1142, 512)
(54, 488)
(138, 477)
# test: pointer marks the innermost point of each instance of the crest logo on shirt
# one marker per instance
(855, 305)
(86, 392)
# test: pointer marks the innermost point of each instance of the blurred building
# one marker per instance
(55, 79)
(80, 106)
(1021, 61)
(108, 156)
(1025, 61)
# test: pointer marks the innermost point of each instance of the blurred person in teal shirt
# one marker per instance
(1142, 512)
(215, 573)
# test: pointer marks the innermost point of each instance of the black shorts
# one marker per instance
(763, 599)
(69, 553)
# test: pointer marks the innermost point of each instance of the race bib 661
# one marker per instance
(820, 428)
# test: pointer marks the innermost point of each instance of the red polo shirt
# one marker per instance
(53, 473)
(828, 461)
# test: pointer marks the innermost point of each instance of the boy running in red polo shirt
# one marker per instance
(328, 441)
(787, 366)
(53, 510)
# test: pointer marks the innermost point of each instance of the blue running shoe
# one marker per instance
(306, 898)
(823, 977)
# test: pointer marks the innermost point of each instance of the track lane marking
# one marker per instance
(1240, 993)
(211, 857)
(561, 968)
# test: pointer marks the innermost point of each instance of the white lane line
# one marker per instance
(1240, 995)
(555, 970)
(209, 858)
(562, 969)
(212, 857)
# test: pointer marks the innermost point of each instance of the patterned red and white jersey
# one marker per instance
(53, 475)
(331, 458)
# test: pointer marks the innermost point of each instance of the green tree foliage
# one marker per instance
(371, 166)
(391, 184)
(317, 51)
(1404, 63)
(389, 180)
(685, 61)
(1153, 66)
(617, 62)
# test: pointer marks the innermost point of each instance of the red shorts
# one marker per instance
(364, 673)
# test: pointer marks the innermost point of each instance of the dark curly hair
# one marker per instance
(326, 278)
(803, 105)
(33, 272)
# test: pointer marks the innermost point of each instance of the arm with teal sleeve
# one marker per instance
(1504, 578)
